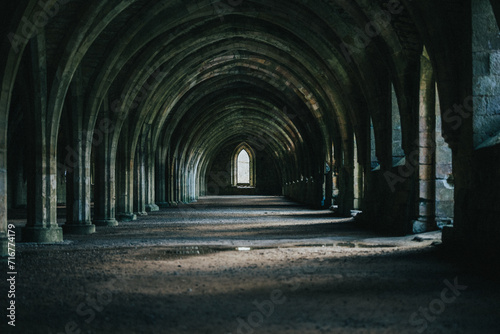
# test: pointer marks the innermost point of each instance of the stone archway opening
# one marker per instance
(243, 168)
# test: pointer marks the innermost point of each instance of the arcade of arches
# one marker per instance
(118, 108)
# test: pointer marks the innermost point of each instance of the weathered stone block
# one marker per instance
(480, 105)
(419, 227)
(493, 105)
(425, 173)
(126, 217)
(443, 171)
(487, 85)
(396, 146)
(426, 209)
(481, 64)
(154, 207)
(485, 127)
(443, 155)
(397, 135)
(484, 21)
(495, 63)
(427, 139)
(443, 193)
(444, 209)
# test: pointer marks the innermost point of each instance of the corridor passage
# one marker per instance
(247, 264)
(168, 166)
(225, 221)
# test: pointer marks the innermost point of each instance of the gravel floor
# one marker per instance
(247, 265)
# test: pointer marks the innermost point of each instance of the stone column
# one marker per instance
(105, 192)
(359, 186)
(150, 177)
(42, 224)
(335, 177)
(78, 202)
(161, 178)
(174, 179)
(328, 185)
(3, 196)
(78, 199)
(358, 179)
(444, 175)
(427, 148)
(171, 181)
(140, 181)
(125, 185)
(105, 187)
(185, 185)
(192, 186)
(346, 178)
(19, 199)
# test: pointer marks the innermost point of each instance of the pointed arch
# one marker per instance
(234, 165)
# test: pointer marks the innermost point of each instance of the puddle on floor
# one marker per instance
(346, 244)
(171, 253)
(375, 246)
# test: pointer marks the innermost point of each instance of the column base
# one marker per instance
(42, 235)
(152, 208)
(127, 217)
(79, 229)
(105, 222)
(143, 213)
(163, 205)
(424, 225)
(4, 248)
(442, 223)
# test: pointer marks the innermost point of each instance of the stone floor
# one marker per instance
(248, 265)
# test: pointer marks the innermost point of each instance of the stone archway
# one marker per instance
(235, 165)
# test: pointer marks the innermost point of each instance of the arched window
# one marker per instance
(243, 166)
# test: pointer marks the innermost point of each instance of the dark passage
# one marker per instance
(249, 166)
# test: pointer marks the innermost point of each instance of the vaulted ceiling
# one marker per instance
(295, 75)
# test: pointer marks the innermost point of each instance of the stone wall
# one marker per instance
(482, 228)
(444, 176)
(219, 176)
(486, 74)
